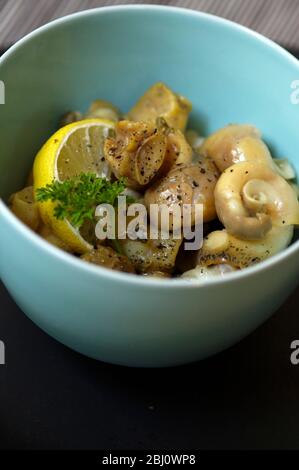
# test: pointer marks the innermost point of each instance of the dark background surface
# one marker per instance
(244, 398)
(53, 398)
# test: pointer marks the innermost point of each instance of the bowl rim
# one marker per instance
(122, 277)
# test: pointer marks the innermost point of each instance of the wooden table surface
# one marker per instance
(276, 19)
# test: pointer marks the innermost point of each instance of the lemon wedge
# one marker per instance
(73, 149)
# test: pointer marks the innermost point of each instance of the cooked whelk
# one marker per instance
(250, 198)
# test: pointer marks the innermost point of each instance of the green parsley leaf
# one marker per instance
(77, 198)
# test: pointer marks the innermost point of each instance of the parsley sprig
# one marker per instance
(77, 198)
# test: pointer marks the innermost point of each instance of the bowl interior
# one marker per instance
(229, 74)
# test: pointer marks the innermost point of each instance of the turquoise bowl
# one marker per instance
(230, 74)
